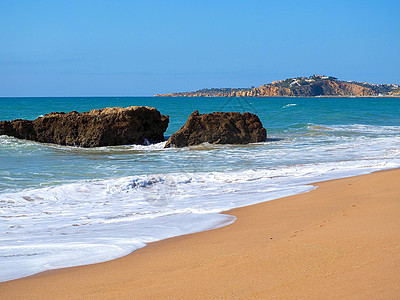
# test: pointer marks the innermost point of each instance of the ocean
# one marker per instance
(66, 206)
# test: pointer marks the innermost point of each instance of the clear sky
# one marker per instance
(138, 48)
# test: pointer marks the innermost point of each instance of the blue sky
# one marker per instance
(138, 48)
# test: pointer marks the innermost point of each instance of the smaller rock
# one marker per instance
(219, 128)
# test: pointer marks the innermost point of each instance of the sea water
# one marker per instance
(65, 206)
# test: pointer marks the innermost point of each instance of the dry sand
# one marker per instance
(341, 240)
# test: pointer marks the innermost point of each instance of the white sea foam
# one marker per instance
(93, 221)
(289, 105)
(17, 143)
(361, 128)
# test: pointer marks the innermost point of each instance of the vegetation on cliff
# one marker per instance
(313, 86)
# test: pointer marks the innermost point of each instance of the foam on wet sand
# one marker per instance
(338, 241)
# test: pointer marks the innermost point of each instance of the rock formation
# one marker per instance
(219, 128)
(98, 127)
(316, 85)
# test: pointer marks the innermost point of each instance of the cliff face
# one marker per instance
(395, 93)
(313, 86)
(99, 127)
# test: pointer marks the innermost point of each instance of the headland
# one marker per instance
(313, 86)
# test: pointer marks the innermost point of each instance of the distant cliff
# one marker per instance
(313, 86)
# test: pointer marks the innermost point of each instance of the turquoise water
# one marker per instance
(33, 164)
(66, 205)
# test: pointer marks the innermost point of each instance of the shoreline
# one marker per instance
(214, 258)
(322, 96)
(157, 96)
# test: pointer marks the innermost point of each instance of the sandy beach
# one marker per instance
(341, 240)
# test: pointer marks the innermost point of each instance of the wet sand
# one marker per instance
(341, 240)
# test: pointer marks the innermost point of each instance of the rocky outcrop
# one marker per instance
(99, 127)
(219, 128)
(313, 86)
(395, 93)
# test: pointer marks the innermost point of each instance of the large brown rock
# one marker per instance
(219, 128)
(98, 127)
